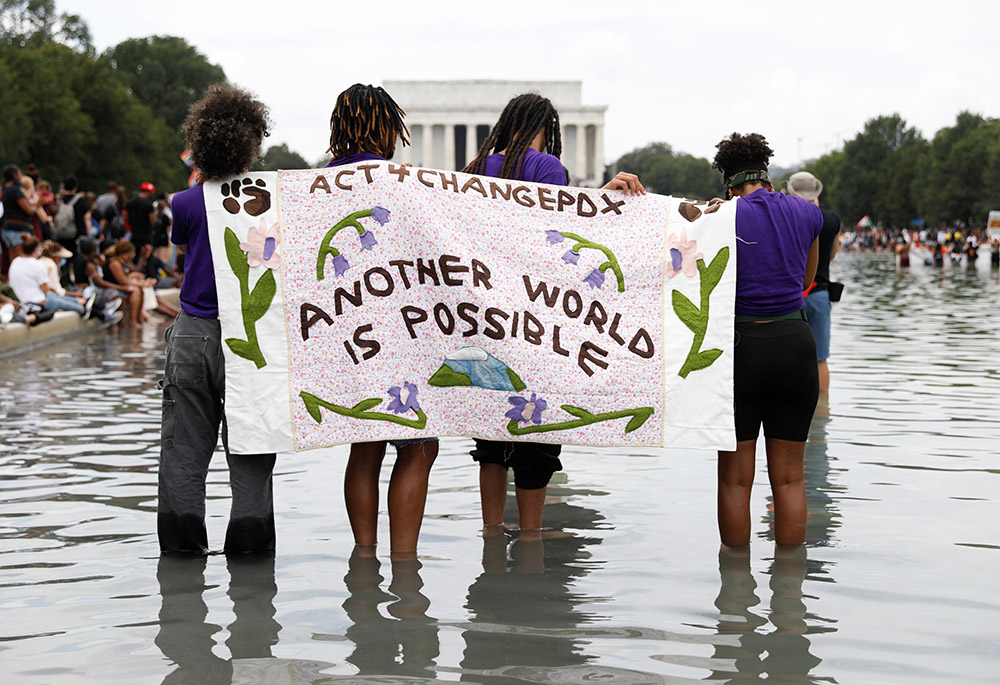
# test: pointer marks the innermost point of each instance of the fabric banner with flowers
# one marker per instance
(375, 301)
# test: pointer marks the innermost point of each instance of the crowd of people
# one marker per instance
(933, 246)
(101, 256)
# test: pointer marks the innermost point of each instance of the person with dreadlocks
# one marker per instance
(775, 377)
(524, 144)
(224, 131)
(365, 125)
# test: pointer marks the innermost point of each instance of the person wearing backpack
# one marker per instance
(73, 216)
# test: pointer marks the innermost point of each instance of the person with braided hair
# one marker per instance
(775, 377)
(365, 125)
(524, 144)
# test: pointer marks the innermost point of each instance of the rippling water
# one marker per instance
(898, 581)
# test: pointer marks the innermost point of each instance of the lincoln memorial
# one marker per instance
(449, 120)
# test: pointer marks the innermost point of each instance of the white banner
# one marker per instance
(376, 301)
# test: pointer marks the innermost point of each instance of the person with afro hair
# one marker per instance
(224, 131)
(775, 379)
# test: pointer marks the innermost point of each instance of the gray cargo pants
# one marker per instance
(194, 385)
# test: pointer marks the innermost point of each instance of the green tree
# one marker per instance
(35, 22)
(280, 157)
(865, 162)
(961, 160)
(75, 117)
(164, 73)
(668, 173)
(898, 185)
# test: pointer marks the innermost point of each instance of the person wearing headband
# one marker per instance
(775, 380)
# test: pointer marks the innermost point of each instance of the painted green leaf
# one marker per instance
(237, 257)
(446, 377)
(241, 348)
(642, 414)
(261, 296)
(519, 385)
(579, 412)
(686, 311)
(312, 406)
(707, 357)
(713, 274)
(365, 405)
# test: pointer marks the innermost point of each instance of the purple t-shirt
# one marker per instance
(198, 295)
(354, 158)
(773, 235)
(538, 167)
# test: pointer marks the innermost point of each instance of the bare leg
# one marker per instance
(530, 506)
(135, 307)
(408, 494)
(824, 376)
(165, 308)
(784, 470)
(736, 470)
(361, 490)
(492, 493)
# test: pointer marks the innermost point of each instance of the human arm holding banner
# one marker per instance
(624, 181)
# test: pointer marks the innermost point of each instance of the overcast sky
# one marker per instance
(806, 75)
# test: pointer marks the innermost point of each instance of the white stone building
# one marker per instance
(449, 120)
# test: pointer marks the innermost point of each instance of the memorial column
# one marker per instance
(471, 148)
(599, 153)
(427, 140)
(449, 147)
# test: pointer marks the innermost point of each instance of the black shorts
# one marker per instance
(533, 462)
(775, 379)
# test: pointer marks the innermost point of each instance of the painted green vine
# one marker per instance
(360, 411)
(253, 303)
(696, 318)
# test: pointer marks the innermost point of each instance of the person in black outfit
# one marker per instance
(141, 215)
(818, 296)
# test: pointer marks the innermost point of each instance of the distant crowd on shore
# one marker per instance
(933, 246)
(101, 256)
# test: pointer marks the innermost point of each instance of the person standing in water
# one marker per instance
(524, 144)
(775, 376)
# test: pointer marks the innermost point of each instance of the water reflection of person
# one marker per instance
(523, 613)
(405, 643)
(781, 651)
(187, 638)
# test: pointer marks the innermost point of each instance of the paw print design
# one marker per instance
(690, 210)
(258, 196)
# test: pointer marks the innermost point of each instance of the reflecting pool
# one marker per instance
(897, 583)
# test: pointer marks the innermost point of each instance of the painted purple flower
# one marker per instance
(340, 265)
(404, 399)
(381, 215)
(553, 237)
(571, 257)
(684, 255)
(595, 278)
(261, 245)
(368, 240)
(676, 259)
(526, 410)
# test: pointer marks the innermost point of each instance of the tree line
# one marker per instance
(109, 116)
(887, 172)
